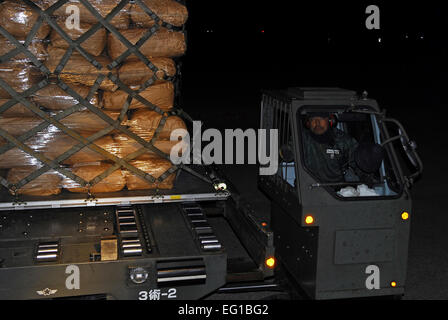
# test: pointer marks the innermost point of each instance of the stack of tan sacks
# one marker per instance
(80, 75)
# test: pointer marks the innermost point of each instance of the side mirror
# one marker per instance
(369, 157)
(286, 153)
(410, 148)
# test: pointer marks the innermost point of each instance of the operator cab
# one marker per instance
(340, 204)
(365, 168)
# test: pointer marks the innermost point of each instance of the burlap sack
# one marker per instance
(164, 43)
(136, 73)
(169, 11)
(160, 94)
(80, 71)
(145, 122)
(113, 183)
(103, 7)
(47, 184)
(21, 76)
(18, 19)
(94, 45)
(36, 47)
(52, 97)
(154, 166)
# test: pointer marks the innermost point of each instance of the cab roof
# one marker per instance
(315, 93)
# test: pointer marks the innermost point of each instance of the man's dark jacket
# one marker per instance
(329, 157)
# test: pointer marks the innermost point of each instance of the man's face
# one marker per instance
(318, 125)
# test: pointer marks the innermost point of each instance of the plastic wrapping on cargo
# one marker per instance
(88, 122)
(80, 71)
(169, 11)
(88, 171)
(80, 74)
(160, 94)
(154, 166)
(82, 121)
(164, 43)
(126, 146)
(145, 122)
(18, 19)
(48, 184)
(36, 47)
(16, 111)
(103, 7)
(94, 45)
(52, 145)
(21, 76)
(136, 73)
(52, 142)
(52, 97)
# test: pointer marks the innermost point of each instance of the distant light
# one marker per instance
(262, 31)
(379, 40)
(393, 284)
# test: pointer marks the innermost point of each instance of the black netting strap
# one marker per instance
(181, 113)
(116, 124)
(159, 127)
(134, 94)
(133, 49)
(156, 18)
(12, 102)
(20, 49)
(73, 134)
(59, 116)
(63, 61)
(112, 29)
(167, 173)
(41, 127)
(49, 163)
(113, 124)
(125, 108)
(68, 154)
(73, 44)
(147, 84)
(6, 184)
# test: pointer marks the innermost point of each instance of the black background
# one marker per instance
(315, 43)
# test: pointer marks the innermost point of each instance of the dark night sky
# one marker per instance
(315, 43)
(290, 27)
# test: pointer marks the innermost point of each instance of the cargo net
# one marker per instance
(87, 92)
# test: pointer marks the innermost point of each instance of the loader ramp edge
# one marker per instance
(159, 254)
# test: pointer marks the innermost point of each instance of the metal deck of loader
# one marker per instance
(187, 188)
(187, 243)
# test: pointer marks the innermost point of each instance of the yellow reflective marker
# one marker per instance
(405, 216)
(309, 220)
(270, 262)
